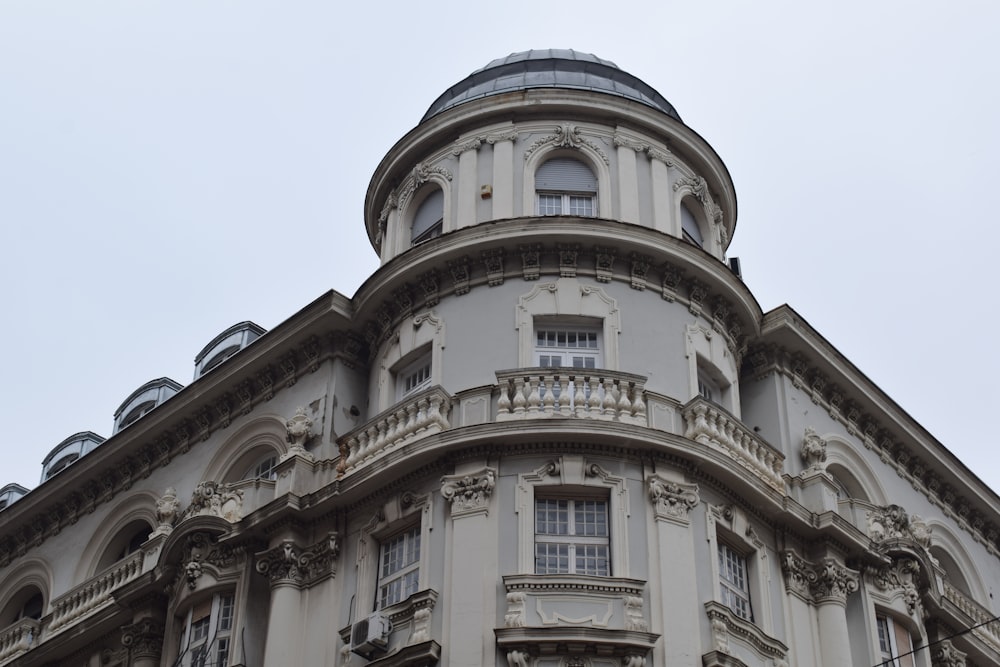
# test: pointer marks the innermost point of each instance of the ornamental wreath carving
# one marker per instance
(469, 493)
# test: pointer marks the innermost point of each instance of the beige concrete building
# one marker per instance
(554, 429)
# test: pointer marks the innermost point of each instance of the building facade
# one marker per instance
(553, 429)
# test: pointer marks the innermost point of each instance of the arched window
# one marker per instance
(263, 469)
(61, 465)
(137, 413)
(428, 223)
(690, 228)
(28, 603)
(564, 186)
(128, 541)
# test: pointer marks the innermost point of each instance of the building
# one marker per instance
(553, 429)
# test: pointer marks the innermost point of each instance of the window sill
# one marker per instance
(726, 625)
(578, 601)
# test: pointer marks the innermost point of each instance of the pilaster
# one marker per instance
(468, 190)
(503, 177)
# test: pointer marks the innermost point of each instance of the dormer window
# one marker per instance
(428, 223)
(564, 186)
(137, 413)
(61, 465)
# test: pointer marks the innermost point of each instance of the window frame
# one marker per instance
(732, 592)
(889, 652)
(573, 539)
(406, 572)
(729, 525)
(422, 364)
(573, 477)
(576, 190)
(556, 328)
(215, 647)
(270, 473)
(436, 228)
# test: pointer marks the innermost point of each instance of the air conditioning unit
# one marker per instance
(371, 635)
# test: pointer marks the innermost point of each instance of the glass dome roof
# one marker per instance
(550, 68)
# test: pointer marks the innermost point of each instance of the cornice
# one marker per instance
(526, 249)
(274, 363)
(875, 422)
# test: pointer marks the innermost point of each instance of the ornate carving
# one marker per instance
(638, 268)
(508, 134)
(143, 639)
(298, 430)
(288, 563)
(517, 658)
(920, 531)
(391, 202)
(566, 136)
(430, 287)
(604, 263)
(672, 500)
(422, 173)
(469, 494)
(666, 157)
(622, 140)
(900, 576)
(493, 259)
(403, 300)
(671, 281)
(167, 511)
(514, 618)
(634, 620)
(459, 269)
(699, 188)
(215, 499)
(567, 259)
(697, 291)
(824, 581)
(201, 548)
(531, 265)
(888, 523)
(469, 145)
(944, 654)
(813, 450)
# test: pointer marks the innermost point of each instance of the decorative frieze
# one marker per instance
(672, 501)
(459, 269)
(604, 263)
(638, 268)
(469, 493)
(530, 261)
(567, 259)
(566, 136)
(493, 260)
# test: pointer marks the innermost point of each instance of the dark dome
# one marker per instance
(550, 68)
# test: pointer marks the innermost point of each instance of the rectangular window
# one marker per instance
(893, 643)
(733, 582)
(414, 377)
(205, 638)
(566, 204)
(571, 537)
(708, 388)
(567, 348)
(399, 571)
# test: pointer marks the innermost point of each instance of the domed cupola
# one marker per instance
(550, 68)
(547, 136)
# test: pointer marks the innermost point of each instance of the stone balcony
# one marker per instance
(539, 393)
(979, 616)
(421, 415)
(17, 638)
(710, 425)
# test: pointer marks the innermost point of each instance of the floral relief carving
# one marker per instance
(201, 548)
(672, 500)
(470, 493)
(214, 499)
(143, 639)
(566, 136)
(888, 523)
(944, 654)
(290, 563)
(820, 582)
(901, 577)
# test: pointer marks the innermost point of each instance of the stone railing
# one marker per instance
(710, 425)
(989, 633)
(18, 638)
(420, 415)
(538, 393)
(93, 593)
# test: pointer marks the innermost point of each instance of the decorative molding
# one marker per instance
(459, 269)
(625, 141)
(825, 581)
(201, 548)
(216, 499)
(469, 494)
(167, 512)
(813, 451)
(143, 639)
(604, 263)
(288, 563)
(944, 654)
(672, 501)
(530, 261)
(638, 268)
(566, 136)
(298, 432)
(493, 260)
(492, 138)
(567, 259)
(725, 626)
(888, 523)
(900, 578)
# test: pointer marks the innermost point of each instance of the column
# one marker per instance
(675, 593)
(628, 181)
(473, 571)
(663, 213)
(826, 583)
(281, 566)
(503, 176)
(144, 641)
(468, 189)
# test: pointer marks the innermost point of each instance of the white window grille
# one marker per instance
(569, 348)
(565, 186)
(264, 469)
(399, 569)
(572, 537)
(733, 582)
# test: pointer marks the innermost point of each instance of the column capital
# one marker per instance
(827, 580)
(672, 501)
(469, 493)
(144, 638)
(288, 563)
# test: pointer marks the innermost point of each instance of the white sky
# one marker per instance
(170, 168)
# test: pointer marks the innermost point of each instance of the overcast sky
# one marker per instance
(170, 168)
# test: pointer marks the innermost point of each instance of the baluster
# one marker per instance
(580, 396)
(638, 404)
(593, 396)
(503, 403)
(624, 405)
(534, 398)
(565, 398)
(549, 399)
(421, 414)
(519, 399)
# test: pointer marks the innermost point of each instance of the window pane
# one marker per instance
(551, 558)
(591, 518)
(549, 204)
(582, 206)
(592, 559)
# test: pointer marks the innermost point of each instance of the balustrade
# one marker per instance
(990, 632)
(538, 393)
(422, 415)
(711, 425)
(18, 638)
(94, 593)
